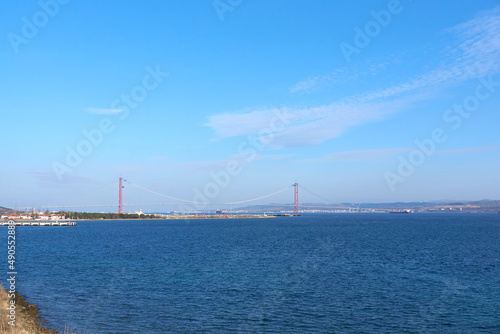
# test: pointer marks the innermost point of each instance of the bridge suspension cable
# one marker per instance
(162, 195)
(198, 203)
(173, 201)
(316, 195)
(262, 197)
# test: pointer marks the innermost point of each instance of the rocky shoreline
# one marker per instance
(24, 316)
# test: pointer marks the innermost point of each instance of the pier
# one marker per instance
(39, 223)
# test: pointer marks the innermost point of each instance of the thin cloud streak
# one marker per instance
(103, 111)
(385, 154)
(362, 155)
(48, 178)
(476, 55)
(341, 75)
(313, 83)
(468, 150)
(306, 127)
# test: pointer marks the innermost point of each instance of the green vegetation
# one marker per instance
(93, 215)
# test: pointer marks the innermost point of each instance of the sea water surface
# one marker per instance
(330, 273)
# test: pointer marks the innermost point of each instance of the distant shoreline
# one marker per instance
(173, 217)
(239, 216)
(180, 218)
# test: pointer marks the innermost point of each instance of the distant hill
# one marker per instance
(438, 206)
(6, 210)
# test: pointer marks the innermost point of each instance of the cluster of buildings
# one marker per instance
(37, 216)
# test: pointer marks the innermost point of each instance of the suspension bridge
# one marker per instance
(124, 196)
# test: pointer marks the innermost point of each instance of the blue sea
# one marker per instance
(322, 273)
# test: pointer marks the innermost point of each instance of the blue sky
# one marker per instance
(335, 95)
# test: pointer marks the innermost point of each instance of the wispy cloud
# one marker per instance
(103, 111)
(313, 83)
(339, 76)
(306, 85)
(236, 124)
(362, 155)
(469, 150)
(385, 154)
(480, 41)
(476, 53)
(305, 126)
(49, 179)
(312, 126)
